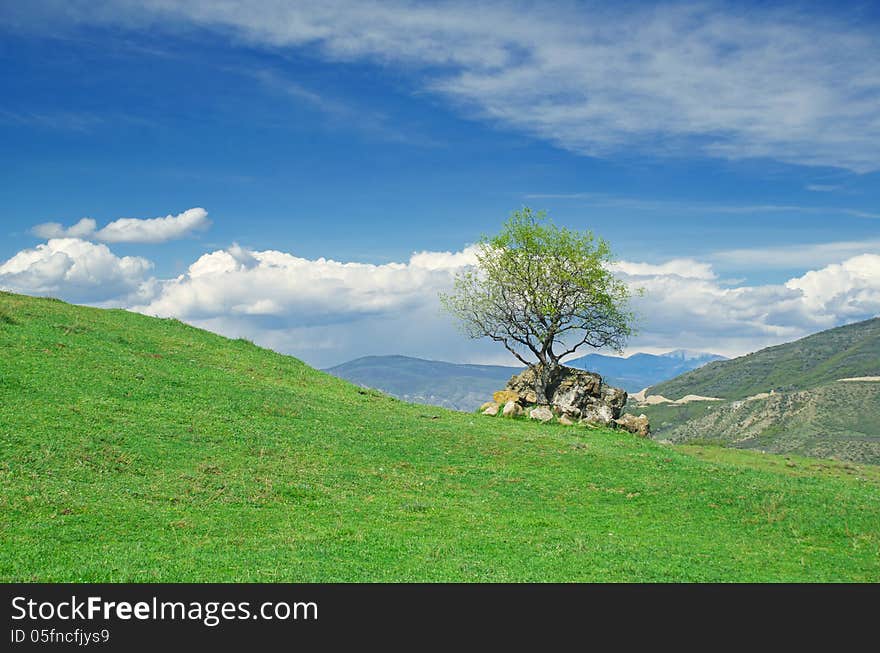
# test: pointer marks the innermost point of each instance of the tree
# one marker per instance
(543, 292)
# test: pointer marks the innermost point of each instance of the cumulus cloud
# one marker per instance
(703, 312)
(130, 230)
(82, 229)
(279, 288)
(592, 78)
(76, 270)
(327, 311)
(842, 291)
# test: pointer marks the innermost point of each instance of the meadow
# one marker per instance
(141, 449)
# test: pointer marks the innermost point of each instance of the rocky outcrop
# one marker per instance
(576, 394)
(575, 397)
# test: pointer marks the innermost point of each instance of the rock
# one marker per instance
(523, 384)
(565, 421)
(492, 409)
(598, 413)
(486, 405)
(541, 413)
(512, 409)
(614, 397)
(636, 425)
(504, 396)
(573, 388)
(576, 395)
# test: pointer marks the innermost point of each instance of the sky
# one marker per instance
(311, 175)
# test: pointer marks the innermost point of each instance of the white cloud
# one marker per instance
(82, 229)
(327, 311)
(595, 79)
(687, 268)
(130, 230)
(154, 230)
(76, 270)
(842, 291)
(703, 313)
(284, 289)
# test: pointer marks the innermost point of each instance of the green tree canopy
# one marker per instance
(542, 291)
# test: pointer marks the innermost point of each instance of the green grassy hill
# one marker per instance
(847, 351)
(139, 449)
(840, 420)
(811, 412)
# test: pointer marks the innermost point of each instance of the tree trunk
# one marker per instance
(543, 377)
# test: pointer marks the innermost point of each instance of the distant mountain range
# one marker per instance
(638, 371)
(451, 385)
(465, 387)
(817, 396)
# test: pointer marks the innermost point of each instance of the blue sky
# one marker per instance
(736, 145)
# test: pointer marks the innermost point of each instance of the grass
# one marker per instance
(139, 449)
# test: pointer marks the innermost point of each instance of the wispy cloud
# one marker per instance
(823, 188)
(373, 124)
(650, 204)
(60, 120)
(596, 79)
(796, 256)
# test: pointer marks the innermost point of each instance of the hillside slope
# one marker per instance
(848, 351)
(140, 449)
(839, 420)
(451, 385)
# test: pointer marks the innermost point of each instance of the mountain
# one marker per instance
(464, 387)
(848, 351)
(638, 371)
(143, 449)
(817, 396)
(450, 385)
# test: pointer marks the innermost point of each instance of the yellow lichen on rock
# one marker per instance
(503, 396)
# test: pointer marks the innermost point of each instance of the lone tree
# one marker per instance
(543, 292)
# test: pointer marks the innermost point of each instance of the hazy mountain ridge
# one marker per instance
(638, 371)
(466, 386)
(438, 383)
